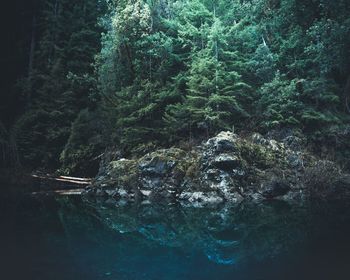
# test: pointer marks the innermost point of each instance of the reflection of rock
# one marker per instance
(226, 234)
(200, 198)
(225, 168)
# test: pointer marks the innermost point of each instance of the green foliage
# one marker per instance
(86, 142)
(180, 69)
(279, 103)
(61, 82)
(38, 138)
(155, 72)
(263, 64)
(211, 103)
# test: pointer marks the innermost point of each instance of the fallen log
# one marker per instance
(65, 179)
(76, 178)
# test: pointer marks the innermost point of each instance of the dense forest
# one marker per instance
(135, 75)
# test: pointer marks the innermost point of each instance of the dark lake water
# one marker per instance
(47, 237)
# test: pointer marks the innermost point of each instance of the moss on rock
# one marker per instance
(231, 167)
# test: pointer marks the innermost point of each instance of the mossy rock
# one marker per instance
(164, 161)
(193, 169)
(124, 171)
(260, 156)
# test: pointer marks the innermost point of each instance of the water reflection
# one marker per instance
(228, 234)
(76, 238)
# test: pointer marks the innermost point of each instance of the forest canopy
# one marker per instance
(139, 74)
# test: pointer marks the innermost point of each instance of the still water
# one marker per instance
(61, 237)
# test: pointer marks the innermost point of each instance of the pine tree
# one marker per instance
(214, 87)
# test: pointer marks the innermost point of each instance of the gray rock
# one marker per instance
(151, 183)
(293, 142)
(154, 166)
(124, 194)
(213, 175)
(233, 197)
(272, 144)
(111, 193)
(239, 173)
(274, 188)
(295, 160)
(226, 162)
(223, 142)
(100, 192)
(257, 138)
(225, 168)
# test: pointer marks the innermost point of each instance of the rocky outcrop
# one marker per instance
(226, 168)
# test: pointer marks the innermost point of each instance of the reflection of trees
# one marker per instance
(226, 234)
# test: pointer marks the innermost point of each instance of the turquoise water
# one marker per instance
(50, 237)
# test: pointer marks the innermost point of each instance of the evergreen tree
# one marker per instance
(153, 72)
(61, 81)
